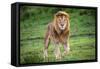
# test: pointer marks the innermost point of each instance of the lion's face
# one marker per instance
(62, 22)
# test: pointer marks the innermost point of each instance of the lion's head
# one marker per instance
(61, 21)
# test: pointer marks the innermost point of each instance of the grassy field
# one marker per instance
(33, 28)
(82, 48)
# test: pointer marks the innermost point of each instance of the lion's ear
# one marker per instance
(56, 15)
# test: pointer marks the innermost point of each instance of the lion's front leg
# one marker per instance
(46, 45)
(57, 52)
(66, 49)
(45, 54)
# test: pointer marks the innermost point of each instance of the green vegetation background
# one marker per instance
(33, 25)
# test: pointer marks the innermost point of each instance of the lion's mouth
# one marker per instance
(62, 27)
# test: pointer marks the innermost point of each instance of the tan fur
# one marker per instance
(56, 35)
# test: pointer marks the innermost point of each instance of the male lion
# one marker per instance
(58, 33)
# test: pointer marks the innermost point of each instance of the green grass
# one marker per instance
(82, 48)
